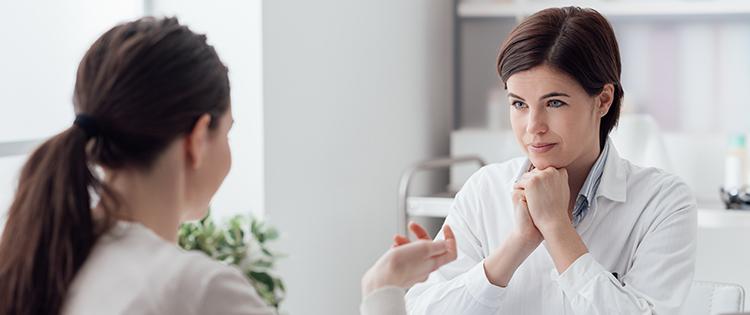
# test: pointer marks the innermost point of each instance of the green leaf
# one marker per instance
(272, 234)
(262, 263)
(264, 278)
(230, 243)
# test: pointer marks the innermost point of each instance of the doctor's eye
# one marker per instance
(517, 104)
(556, 103)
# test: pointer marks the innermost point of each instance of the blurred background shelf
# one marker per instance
(13, 148)
(485, 9)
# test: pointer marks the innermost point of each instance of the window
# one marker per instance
(45, 42)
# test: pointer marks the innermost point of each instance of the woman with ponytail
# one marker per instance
(93, 225)
(152, 112)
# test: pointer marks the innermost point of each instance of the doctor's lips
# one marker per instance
(540, 147)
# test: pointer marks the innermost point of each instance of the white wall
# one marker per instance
(354, 92)
(43, 42)
(234, 28)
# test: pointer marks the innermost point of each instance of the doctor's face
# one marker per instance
(553, 118)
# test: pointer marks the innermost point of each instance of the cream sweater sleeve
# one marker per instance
(388, 300)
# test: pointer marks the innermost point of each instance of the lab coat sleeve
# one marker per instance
(384, 301)
(460, 287)
(661, 270)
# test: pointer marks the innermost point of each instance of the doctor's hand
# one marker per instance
(408, 263)
(547, 197)
(525, 229)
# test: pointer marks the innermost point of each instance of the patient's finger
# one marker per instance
(443, 259)
(419, 231)
(436, 248)
(448, 232)
(451, 238)
(399, 240)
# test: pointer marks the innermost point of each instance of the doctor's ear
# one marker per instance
(196, 142)
(605, 99)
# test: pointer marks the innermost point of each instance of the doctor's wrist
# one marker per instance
(525, 239)
(555, 228)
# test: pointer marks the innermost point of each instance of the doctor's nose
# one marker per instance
(537, 122)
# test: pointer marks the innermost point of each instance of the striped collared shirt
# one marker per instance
(588, 190)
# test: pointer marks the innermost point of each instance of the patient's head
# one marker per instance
(150, 96)
(153, 87)
(561, 68)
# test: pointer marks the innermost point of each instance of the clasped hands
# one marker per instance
(540, 201)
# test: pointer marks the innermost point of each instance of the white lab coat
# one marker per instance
(641, 225)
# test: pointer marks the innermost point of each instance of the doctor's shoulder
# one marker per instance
(660, 190)
(486, 195)
(494, 177)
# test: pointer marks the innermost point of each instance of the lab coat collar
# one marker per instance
(613, 185)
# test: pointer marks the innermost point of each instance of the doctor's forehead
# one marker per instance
(541, 80)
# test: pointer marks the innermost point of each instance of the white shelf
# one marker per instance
(715, 218)
(708, 218)
(436, 207)
(618, 8)
(18, 147)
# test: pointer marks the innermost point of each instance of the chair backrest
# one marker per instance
(711, 298)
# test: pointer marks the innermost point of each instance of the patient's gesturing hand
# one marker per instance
(408, 263)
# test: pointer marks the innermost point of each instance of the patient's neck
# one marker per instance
(153, 198)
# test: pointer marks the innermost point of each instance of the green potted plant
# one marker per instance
(242, 241)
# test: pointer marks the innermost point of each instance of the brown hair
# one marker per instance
(139, 87)
(579, 42)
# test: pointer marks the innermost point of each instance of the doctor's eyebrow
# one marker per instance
(548, 95)
(553, 94)
(516, 96)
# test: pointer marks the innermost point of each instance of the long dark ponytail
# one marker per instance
(139, 87)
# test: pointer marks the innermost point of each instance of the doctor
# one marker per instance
(572, 228)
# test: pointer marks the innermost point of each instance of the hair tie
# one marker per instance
(88, 124)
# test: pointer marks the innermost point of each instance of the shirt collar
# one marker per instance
(590, 185)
